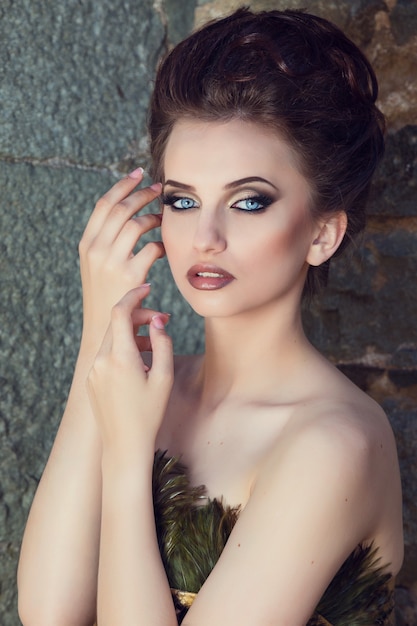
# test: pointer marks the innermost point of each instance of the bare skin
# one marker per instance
(261, 418)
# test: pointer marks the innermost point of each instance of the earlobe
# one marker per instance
(327, 238)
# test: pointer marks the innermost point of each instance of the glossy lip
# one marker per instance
(208, 277)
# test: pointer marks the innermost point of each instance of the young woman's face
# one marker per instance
(236, 225)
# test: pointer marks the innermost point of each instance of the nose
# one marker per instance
(210, 235)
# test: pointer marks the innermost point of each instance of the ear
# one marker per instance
(327, 238)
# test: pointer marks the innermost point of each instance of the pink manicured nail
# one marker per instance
(144, 285)
(137, 173)
(158, 322)
(157, 187)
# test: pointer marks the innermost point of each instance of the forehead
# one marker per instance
(197, 147)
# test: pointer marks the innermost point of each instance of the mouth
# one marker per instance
(208, 278)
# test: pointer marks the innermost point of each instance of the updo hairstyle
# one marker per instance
(296, 74)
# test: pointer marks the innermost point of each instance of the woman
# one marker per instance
(264, 137)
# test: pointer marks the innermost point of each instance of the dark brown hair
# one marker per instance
(295, 73)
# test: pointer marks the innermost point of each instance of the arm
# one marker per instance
(57, 574)
(312, 504)
(129, 401)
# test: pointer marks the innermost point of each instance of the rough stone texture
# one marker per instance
(386, 31)
(75, 81)
(40, 330)
(366, 320)
(75, 78)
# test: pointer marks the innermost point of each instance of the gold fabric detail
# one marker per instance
(185, 598)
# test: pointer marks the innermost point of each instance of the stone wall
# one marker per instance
(75, 82)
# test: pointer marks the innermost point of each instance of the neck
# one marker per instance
(250, 354)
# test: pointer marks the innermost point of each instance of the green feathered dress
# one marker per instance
(191, 537)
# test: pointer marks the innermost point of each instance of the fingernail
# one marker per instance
(137, 173)
(144, 285)
(158, 322)
(157, 187)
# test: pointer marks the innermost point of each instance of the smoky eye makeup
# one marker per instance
(253, 203)
(178, 202)
(238, 196)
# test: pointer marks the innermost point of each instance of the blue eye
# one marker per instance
(179, 203)
(255, 203)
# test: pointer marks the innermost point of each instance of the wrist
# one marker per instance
(126, 486)
(127, 466)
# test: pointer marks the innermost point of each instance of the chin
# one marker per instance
(209, 303)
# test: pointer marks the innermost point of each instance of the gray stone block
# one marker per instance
(44, 214)
(403, 418)
(404, 21)
(75, 78)
(180, 18)
(369, 302)
(394, 191)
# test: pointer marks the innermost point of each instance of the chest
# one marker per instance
(223, 449)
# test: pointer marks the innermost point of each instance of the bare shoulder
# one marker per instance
(323, 488)
(351, 430)
(340, 445)
(341, 415)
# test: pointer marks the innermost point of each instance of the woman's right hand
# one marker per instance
(109, 267)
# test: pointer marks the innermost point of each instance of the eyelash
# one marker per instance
(263, 200)
(170, 200)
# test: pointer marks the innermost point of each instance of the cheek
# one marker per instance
(166, 239)
(272, 244)
(282, 248)
(172, 237)
(166, 229)
(163, 228)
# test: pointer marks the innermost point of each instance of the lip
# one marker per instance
(208, 277)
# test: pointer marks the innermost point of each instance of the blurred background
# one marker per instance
(75, 82)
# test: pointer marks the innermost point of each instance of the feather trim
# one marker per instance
(192, 535)
(359, 594)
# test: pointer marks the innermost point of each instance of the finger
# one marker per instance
(126, 318)
(130, 234)
(143, 343)
(123, 211)
(162, 371)
(123, 187)
(145, 258)
(129, 307)
(104, 205)
(124, 347)
(143, 317)
(134, 201)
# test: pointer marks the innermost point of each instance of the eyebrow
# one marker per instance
(232, 185)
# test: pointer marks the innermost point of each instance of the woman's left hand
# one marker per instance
(129, 398)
